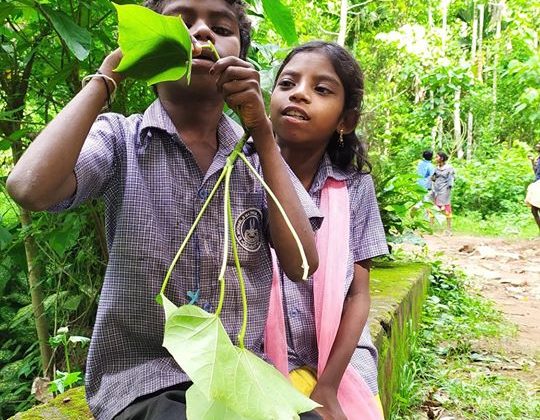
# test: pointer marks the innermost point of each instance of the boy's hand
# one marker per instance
(238, 81)
(110, 63)
(327, 397)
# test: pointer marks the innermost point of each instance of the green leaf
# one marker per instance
(156, 48)
(231, 380)
(77, 39)
(282, 19)
(201, 408)
(200, 345)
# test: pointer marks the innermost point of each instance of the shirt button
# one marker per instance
(203, 194)
(294, 312)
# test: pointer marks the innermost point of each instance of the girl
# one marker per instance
(443, 181)
(317, 330)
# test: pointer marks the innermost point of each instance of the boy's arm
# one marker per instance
(239, 83)
(353, 319)
(44, 175)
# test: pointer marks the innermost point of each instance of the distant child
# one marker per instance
(154, 171)
(425, 170)
(533, 190)
(443, 181)
(317, 332)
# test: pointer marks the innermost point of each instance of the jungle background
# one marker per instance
(461, 76)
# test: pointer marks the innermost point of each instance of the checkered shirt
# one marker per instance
(153, 190)
(367, 240)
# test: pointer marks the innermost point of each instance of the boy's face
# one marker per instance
(208, 21)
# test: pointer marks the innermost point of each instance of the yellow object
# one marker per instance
(304, 380)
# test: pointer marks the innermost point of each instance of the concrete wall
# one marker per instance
(398, 293)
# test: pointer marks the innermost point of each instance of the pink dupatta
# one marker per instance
(354, 395)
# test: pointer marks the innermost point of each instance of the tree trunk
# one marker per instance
(343, 22)
(444, 13)
(457, 123)
(498, 8)
(469, 136)
(35, 273)
(474, 41)
(480, 62)
(16, 88)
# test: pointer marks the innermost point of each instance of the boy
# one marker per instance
(155, 171)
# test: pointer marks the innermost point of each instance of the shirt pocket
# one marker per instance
(249, 221)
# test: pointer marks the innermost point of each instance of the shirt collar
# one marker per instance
(328, 170)
(156, 118)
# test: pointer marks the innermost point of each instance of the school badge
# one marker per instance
(248, 229)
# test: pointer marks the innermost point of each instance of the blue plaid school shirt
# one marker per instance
(366, 240)
(153, 190)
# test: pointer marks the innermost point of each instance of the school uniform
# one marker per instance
(366, 240)
(153, 189)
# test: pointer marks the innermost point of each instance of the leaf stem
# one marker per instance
(241, 282)
(191, 230)
(211, 46)
(305, 264)
(226, 203)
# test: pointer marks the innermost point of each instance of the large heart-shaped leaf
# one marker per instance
(200, 345)
(156, 48)
(228, 379)
(201, 408)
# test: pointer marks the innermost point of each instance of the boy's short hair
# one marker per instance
(427, 155)
(239, 7)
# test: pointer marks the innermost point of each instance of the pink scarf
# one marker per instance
(354, 396)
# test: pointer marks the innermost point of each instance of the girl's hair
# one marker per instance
(443, 156)
(353, 151)
(239, 7)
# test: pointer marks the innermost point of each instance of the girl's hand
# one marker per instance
(238, 81)
(327, 397)
(110, 63)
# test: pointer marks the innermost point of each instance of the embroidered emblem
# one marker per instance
(247, 229)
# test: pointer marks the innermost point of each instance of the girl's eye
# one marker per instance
(322, 89)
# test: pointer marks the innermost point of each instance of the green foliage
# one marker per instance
(156, 48)
(64, 380)
(493, 185)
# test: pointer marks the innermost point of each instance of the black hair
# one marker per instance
(239, 7)
(443, 156)
(427, 155)
(353, 151)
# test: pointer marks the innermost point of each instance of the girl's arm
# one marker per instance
(239, 83)
(44, 175)
(353, 320)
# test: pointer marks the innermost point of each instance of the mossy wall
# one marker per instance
(398, 292)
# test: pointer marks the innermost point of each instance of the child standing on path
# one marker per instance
(443, 181)
(154, 172)
(318, 330)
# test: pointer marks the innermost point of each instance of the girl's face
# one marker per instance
(307, 103)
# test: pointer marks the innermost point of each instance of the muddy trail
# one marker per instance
(507, 271)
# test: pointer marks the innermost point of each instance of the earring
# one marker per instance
(340, 140)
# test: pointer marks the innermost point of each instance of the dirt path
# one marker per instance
(507, 272)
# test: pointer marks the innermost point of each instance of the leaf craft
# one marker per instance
(156, 48)
(231, 383)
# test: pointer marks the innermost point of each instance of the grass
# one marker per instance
(450, 372)
(510, 225)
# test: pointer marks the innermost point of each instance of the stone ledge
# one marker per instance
(398, 292)
(397, 295)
